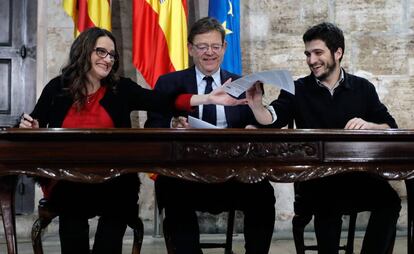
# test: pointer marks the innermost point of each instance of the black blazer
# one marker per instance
(182, 82)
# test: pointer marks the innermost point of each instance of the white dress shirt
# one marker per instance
(201, 86)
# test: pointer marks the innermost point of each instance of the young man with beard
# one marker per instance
(181, 198)
(331, 98)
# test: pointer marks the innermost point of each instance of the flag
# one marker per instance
(227, 12)
(159, 32)
(88, 13)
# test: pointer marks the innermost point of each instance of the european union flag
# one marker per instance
(228, 13)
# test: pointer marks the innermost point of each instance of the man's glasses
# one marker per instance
(101, 52)
(203, 48)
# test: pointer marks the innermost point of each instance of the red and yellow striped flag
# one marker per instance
(159, 37)
(89, 13)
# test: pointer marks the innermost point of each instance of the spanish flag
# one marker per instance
(88, 13)
(159, 37)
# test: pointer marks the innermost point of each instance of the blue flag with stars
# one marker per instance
(227, 12)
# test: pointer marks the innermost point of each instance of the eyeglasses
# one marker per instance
(203, 48)
(101, 52)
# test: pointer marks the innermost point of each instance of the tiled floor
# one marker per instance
(156, 245)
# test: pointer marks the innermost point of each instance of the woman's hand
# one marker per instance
(220, 97)
(217, 96)
(26, 121)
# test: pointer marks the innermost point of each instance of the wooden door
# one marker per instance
(17, 59)
(18, 30)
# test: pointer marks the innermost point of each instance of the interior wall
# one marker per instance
(379, 47)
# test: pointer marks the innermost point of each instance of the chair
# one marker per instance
(303, 215)
(410, 215)
(299, 222)
(46, 215)
(227, 245)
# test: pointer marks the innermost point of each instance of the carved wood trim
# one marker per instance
(281, 151)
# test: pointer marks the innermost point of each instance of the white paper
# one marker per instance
(279, 78)
(197, 123)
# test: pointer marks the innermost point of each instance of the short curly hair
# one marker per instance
(205, 25)
(328, 33)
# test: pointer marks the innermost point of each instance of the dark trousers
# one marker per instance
(181, 199)
(114, 201)
(331, 197)
(74, 235)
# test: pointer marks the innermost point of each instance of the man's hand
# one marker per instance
(179, 122)
(254, 95)
(250, 126)
(360, 124)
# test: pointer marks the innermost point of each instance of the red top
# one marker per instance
(182, 102)
(93, 115)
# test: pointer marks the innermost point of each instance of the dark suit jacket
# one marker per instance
(181, 82)
(185, 197)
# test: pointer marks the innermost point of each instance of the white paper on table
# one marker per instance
(279, 78)
(197, 123)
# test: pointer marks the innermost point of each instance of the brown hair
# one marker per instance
(205, 25)
(74, 73)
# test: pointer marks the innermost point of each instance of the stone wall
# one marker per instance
(378, 42)
(379, 46)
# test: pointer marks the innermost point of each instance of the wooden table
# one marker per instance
(95, 155)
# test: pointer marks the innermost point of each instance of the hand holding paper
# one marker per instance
(179, 122)
(254, 95)
(279, 78)
(198, 123)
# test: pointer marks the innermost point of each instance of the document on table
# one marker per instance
(279, 78)
(198, 123)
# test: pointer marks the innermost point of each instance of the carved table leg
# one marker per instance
(7, 188)
(409, 184)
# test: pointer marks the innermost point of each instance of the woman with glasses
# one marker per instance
(89, 94)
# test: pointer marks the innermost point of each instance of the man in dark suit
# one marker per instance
(180, 198)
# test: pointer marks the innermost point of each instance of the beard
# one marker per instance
(330, 68)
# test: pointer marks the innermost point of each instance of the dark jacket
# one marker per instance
(55, 102)
(181, 82)
(116, 197)
(313, 107)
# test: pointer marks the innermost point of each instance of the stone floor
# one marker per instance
(156, 245)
